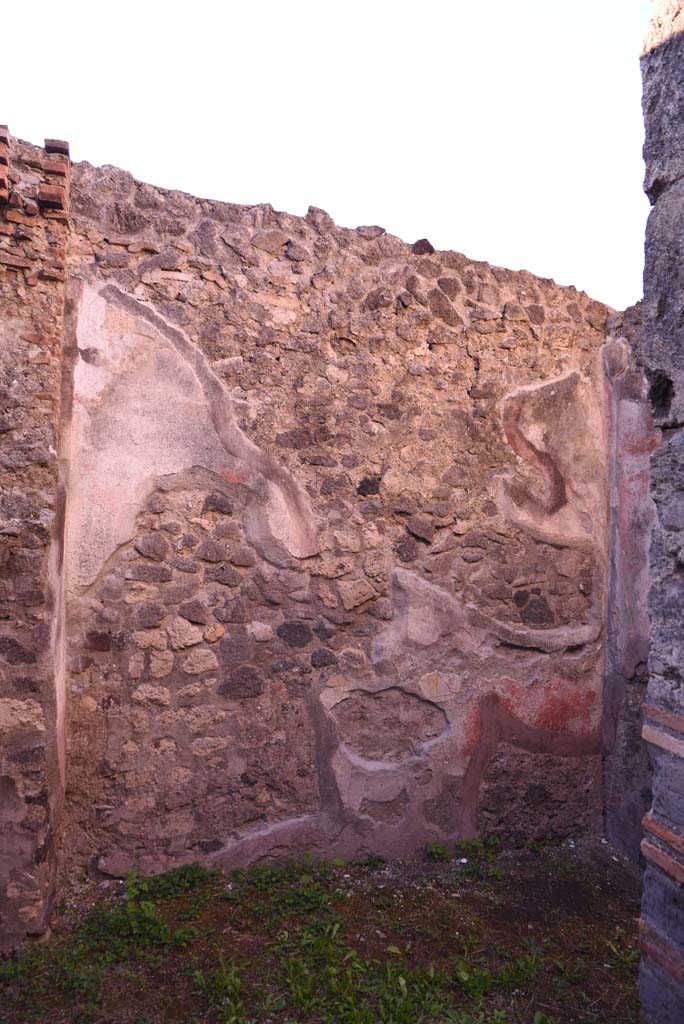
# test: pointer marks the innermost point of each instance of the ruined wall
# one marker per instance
(355, 540)
(33, 229)
(337, 543)
(662, 353)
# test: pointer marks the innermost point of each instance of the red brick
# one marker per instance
(12, 250)
(8, 260)
(52, 196)
(4, 195)
(664, 833)
(51, 274)
(4, 134)
(57, 165)
(658, 948)
(4, 154)
(57, 146)
(18, 218)
(663, 860)
(667, 718)
(16, 201)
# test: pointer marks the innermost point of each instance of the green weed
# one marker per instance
(520, 971)
(176, 882)
(623, 957)
(476, 982)
(437, 853)
(573, 973)
(296, 945)
(372, 861)
(479, 856)
(222, 988)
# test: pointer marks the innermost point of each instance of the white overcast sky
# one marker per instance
(509, 130)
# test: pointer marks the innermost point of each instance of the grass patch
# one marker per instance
(453, 940)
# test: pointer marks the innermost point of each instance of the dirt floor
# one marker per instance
(471, 936)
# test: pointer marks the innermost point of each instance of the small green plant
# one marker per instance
(222, 988)
(478, 856)
(17, 969)
(372, 861)
(437, 853)
(279, 891)
(176, 882)
(573, 973)
(383, 901)
(520, 971)
(623, 957)
(476, 982)
(270, 1002)
(133, 921)
(185, 936)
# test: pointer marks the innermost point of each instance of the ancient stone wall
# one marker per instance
(337, 537)
(33, 230)
(662, 353)
(344, 518)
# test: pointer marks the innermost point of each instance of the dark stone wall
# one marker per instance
(662, 354)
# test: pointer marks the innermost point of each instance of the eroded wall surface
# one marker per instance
(662, 353)
(337, 538)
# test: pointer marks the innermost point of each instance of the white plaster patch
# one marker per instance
(139, 413)
(147, 405)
